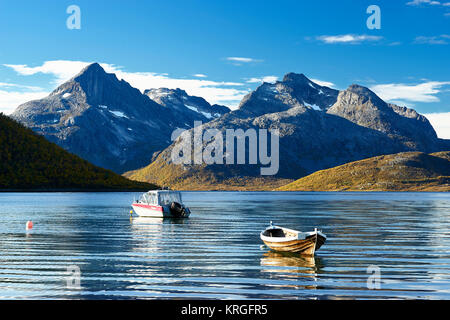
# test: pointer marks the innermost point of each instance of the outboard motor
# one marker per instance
(186, 212)
(177, 210)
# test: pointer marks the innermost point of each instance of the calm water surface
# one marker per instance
(217, 253)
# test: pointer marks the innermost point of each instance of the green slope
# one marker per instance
(201, 178)
(30, 162)
(407, 171)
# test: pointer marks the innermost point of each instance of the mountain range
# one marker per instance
(108, 122)
(113, 125)
(318, 127)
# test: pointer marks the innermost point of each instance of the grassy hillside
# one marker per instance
(30, 162)
(203, 178)
(407, 171)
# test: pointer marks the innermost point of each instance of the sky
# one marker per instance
(221, 50)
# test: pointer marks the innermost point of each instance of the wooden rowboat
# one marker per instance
(288, 240)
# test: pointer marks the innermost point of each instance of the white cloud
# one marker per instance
(12, 95)
(19, 86)
(200, 75)
(9, 100)
(241, 59)
(270, 79)
(440, 123)
(323, 83)
(228, 93)
(61, 69)
(419, 3)
(424, 92)
(348, 38)
(441, 39)
(429, 2)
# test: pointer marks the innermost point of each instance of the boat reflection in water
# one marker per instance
(300, 271)
(154, 234)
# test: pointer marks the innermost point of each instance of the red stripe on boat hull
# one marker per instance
(146, 206)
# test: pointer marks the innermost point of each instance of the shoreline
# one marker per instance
(145, 190)
(68, 190)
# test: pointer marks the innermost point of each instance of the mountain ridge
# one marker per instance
(348, 125)
(409, 171)
(106, 121)
(363, 107)
(110, 123)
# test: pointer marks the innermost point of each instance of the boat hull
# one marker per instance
(149, 211)
(307, 246)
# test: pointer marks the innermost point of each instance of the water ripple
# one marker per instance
(217, 253)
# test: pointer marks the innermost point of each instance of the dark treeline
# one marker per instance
(29, 162)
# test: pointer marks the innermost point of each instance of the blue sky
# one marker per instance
(223, 49)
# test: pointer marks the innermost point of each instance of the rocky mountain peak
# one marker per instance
(159, 93)
(101, 88)
(362, 106)
(94, 74)
(296, 90)
(96, 82)
(366, 93)
(184, 105)
(93, 68)
(295, 78)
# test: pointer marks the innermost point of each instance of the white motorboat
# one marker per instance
(161, 204)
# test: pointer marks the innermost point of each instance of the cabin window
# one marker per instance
(168, 198)
(144, 198)
(149, 198)
(152, 198)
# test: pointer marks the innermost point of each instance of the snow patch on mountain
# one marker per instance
(207, 115)
(313, 106)
(119, 114)
(191, 108)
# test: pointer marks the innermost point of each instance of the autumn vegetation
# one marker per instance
(29, 162)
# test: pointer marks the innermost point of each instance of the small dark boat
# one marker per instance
(288, 240)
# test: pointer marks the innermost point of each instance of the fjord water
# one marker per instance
(217, 252)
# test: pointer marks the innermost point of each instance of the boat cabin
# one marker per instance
(160, 197)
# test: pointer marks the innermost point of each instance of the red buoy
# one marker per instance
(29, 225)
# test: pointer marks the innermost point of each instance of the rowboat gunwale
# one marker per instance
(300, 242)
(298, 234)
